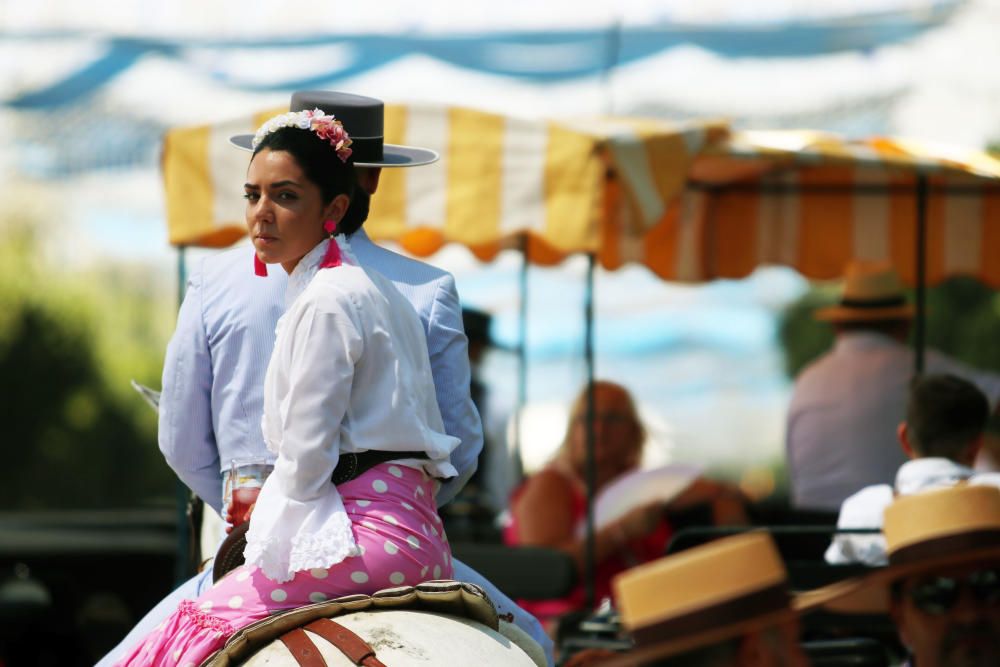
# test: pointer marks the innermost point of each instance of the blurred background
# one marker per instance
(89, 282)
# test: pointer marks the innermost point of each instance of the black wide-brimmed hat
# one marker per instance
(362, 118)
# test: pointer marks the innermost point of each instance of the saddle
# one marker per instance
(230, 553)
(307, 633)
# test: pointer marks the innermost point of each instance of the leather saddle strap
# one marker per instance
(302, 648)
(354, 647)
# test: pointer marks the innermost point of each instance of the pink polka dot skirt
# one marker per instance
(397, 526)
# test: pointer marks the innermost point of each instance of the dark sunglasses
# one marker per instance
(939, 594)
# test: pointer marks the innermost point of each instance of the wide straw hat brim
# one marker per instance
(641, 656)
(393, 155)
(840, 313)
(865, 595)
(859, 595)
(703, 596)
(870, 594)
(930, 531)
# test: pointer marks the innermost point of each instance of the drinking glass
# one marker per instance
(246, 476)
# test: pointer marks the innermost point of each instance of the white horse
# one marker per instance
(433, 623)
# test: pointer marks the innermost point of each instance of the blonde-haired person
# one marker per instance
(549, 508)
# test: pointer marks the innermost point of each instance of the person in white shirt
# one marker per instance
(840, 432)
(941, 585)
(945, 420)
(350, 411)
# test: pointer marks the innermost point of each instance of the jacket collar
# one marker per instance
(308, 266)
(928, 473)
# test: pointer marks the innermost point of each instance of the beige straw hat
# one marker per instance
(872, 291)
(702, 596)
(924, 531)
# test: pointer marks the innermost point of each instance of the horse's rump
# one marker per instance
(433, 623)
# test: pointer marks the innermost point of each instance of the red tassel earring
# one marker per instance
(259, 267)
(332, 257)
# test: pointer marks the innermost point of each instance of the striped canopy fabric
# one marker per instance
(691, 202)
(814, 201)
(498, 178)
(203, 179)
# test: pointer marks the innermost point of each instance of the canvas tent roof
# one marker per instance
(691, 202)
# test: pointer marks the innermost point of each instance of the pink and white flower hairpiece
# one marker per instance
(325, 127)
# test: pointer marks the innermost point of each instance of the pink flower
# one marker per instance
(326, 127)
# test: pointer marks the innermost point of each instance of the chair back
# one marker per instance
(852, 652)
(801, 547)
(521, 572)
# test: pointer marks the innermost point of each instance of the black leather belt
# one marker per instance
(351, 466)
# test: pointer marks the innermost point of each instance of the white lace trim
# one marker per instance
(279, 560)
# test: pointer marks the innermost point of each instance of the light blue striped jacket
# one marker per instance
(213, 374)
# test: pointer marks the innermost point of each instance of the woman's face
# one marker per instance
(616, 435)
(285, 210)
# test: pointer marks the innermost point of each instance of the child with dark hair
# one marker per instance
(946, 417)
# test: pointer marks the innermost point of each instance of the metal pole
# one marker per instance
(920, 326)
(590, 546)
(611, 55)
(181, 275)
(181, 492)
(522, 356)
(590, 556)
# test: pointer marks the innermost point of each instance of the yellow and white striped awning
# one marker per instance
(691, 202)
(203, 179)
(498, 178)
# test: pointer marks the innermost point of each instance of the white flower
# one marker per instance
(302, 120)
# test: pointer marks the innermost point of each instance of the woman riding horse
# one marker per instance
(349, 411)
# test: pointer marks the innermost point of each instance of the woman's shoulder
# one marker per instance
(549, 482)
(339, 285)
(551, 474)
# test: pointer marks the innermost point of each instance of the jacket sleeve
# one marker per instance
(449, 355)
(186, 436)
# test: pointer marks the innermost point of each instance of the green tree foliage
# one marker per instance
(802, 337)
(963, 321)
(77, 436)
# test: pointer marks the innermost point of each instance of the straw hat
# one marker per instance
(702, 596)
(363, 119)
(926, 531)
(872, 292)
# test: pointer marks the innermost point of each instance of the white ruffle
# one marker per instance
(288, 536)
(307, 552)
